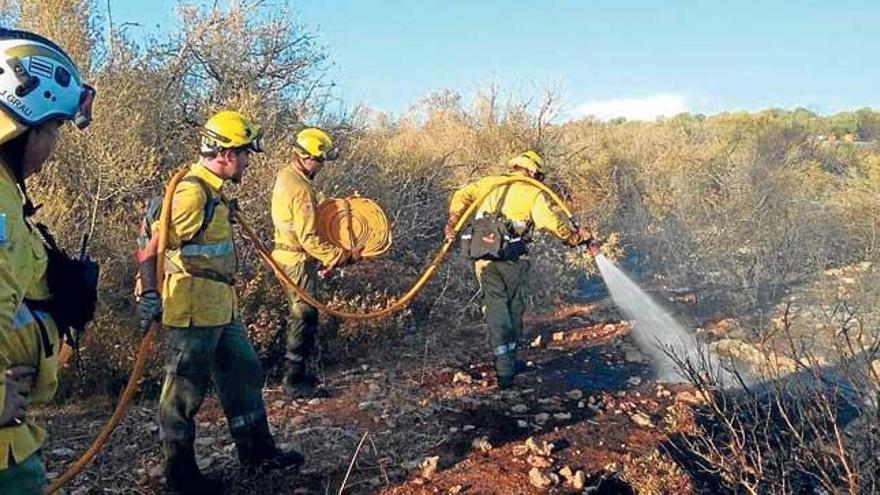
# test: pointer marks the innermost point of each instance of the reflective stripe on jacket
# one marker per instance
(200, 259)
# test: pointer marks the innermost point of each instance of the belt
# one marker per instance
(170, 268)
(283, 246)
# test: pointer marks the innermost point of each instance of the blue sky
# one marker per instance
(629, 58)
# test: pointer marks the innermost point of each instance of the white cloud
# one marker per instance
(646, 108)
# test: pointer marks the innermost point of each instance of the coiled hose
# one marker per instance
(355, 224)
(400, 303)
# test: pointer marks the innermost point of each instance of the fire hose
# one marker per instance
(144, 350)
(349, 240)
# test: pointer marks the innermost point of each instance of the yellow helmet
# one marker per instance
(316, 143)
(228, 129)
(528, 160)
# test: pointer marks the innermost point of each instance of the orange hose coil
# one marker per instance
(354, 223)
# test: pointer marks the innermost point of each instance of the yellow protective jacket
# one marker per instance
(523, 203)
(200, 258)
(23, 264)
(294, 203)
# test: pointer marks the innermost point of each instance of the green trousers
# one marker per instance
(503, 285)
(303, 323)
(193, 356)
(26, 478)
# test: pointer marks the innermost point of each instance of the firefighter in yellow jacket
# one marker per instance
(522, 208)
(30, 68)
(300, 251)
(199, 309)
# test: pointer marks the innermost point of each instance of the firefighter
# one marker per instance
(40, 89)
(516, 210)
(199, 310)
(302, 254)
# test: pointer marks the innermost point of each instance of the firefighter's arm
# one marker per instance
(546, 218)
(187, 212)
(459, 203)
(8, 298)
(304, 227)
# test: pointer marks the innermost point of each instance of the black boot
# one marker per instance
(505, 382)
(258, 451)
(301, 386)
(182, 476)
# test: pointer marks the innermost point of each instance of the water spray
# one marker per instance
(655, 331)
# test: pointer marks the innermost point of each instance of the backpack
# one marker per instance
(148, 245)
(492, 237)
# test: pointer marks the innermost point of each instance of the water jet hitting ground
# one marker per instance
(654, 330)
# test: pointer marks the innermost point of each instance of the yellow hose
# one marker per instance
(403, 300)
(354, 224)
(144, 350)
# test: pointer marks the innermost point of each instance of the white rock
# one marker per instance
(481, 445)
(461, 377)
(63, 452)
(579, 480)
(429, 466)
(537, 479)
(642, 419)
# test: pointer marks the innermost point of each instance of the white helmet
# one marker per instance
(39, 81)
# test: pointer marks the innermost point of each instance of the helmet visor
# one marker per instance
(331, 154)
(83, 116)
(257, 144)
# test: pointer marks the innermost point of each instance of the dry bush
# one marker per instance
(741, 205)
(810, 428)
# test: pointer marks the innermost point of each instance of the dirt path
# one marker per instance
(433, 394)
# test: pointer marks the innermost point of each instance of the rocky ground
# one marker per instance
(425, 416)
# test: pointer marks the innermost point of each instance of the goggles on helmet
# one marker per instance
(83, 116)
(255, 146)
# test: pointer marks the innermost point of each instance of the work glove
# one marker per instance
(594, 245)
(584, 237)
(149, 309)
(19, 382)
(351, 257)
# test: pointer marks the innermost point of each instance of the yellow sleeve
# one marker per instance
(546, 218)
(8, 297)
(463, 198)
(304, 227)
(187, 213)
